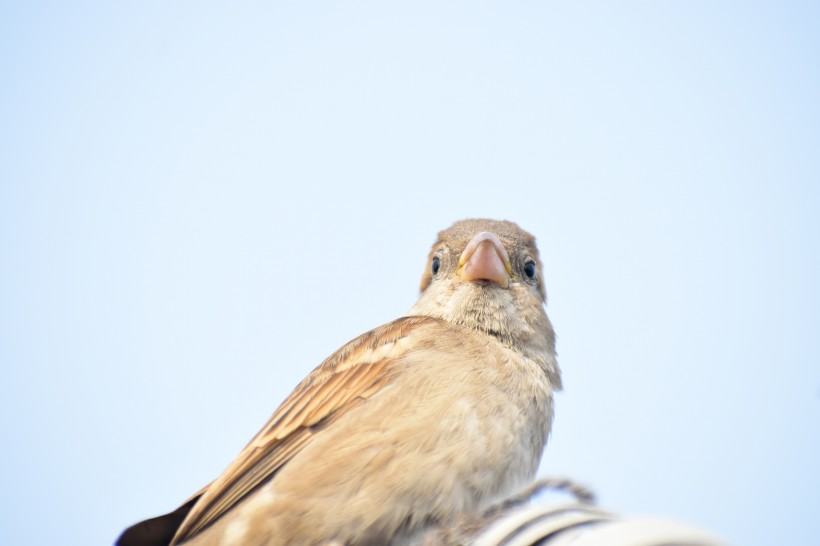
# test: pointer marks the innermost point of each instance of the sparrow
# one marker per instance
(408, 427)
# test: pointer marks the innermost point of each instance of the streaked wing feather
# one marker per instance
(353, 373)
(247, 482)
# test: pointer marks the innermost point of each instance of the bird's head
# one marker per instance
(487, 275)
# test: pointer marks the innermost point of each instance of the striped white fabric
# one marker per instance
(518, 521)
(586, 525)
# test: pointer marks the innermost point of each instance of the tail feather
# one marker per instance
(158, 531)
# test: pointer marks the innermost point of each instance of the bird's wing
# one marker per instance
(353, 373)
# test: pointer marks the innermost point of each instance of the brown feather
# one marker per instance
(341, 381)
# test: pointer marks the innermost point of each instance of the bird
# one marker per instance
(412, 425)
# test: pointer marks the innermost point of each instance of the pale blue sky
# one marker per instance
(200, 201)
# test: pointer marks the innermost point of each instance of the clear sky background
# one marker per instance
(200, 201)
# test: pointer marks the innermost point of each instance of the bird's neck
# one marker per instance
(525, 329)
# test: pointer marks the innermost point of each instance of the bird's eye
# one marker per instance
(529, 269)
(435, 265)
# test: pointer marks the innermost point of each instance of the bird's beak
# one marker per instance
(485, 259)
